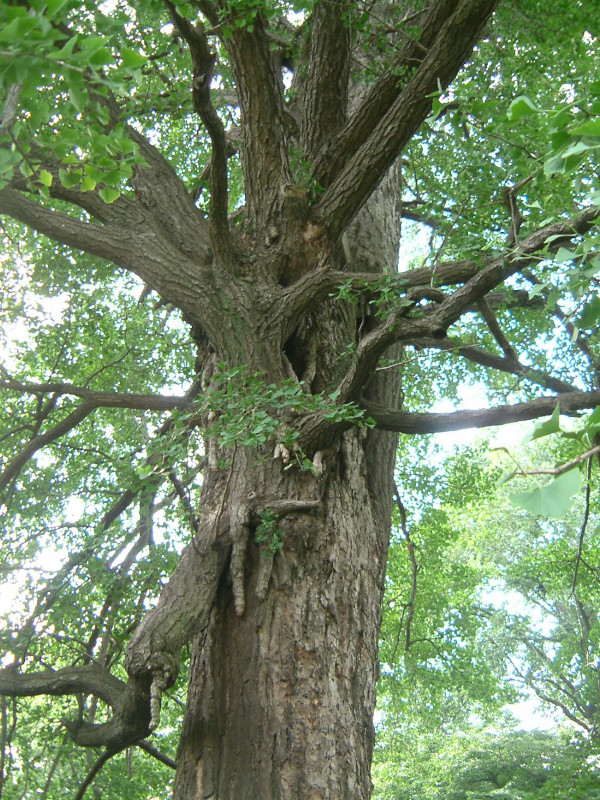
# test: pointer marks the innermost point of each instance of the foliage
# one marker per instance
(268, 534)
(483, 764)
(248, 412)
(533, 618)
(96, 519)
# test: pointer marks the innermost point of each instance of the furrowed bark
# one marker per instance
(141, 249)
(380, 97)
(276, 688)
(325, 88)
(366, 167)
(265, 158)
(99, 240)
(262, 690)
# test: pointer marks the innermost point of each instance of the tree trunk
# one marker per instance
(281, 698)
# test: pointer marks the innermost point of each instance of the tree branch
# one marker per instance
(296, 299)
(106, 241)
(203, 60)
(582, 529)
(265, 159)
(92, 401)
(15, 466)
(381, 96)
(152, 751)
(325, 87)
(549, 239)
(98, 764)
(360, 173)
(11, 105)
(121, 212)
(70, 680)
(141, 402)
(419, 423)
(479, 356)
(495, 329)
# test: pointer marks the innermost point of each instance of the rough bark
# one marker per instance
(281, 699)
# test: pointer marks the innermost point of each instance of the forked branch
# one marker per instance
(365, 168)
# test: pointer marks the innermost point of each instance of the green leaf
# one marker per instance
(54, 6)
(109, 194)
(45, 177)
(591, 313)
(25, 169)
(521, 107)
(78, 97)
(69, 179)
(88, 184)
(552, 500)
(553, 165)
(549, 426)
(589, 128)
(17, 29)
(564, 255)
(592, 424)
(132, 59)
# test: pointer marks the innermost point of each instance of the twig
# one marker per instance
(564, 467)
(152, 751)
(586, 516)
(108, 754)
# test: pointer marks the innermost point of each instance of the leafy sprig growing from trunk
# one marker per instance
(268, 534)
(245, 410)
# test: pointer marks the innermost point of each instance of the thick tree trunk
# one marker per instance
(281, 699)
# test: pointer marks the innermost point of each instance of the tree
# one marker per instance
(251, 163)
(544, 638)
(510, 765)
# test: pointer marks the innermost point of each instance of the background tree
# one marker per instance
(200, 432)
(489, 625)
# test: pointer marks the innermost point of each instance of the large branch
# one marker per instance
(381, 96)
(203, 60)
(167, 205)
(71, 680)
(105, 241)
(140, 402)
(485, 359)
(417, 422)
(152, 248)
(91, 402)
(315, 286)
(325, 85)
(265, 159)
(549, 238)
(363, 171)
(121, 212)
(433, 321)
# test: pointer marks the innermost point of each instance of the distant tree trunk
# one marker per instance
(281, 699)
